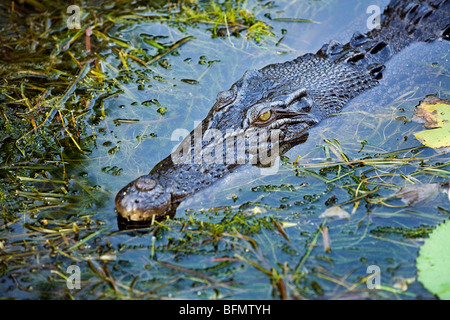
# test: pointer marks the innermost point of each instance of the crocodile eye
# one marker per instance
(265, 116)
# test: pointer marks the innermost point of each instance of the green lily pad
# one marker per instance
(433, 262)
(435, 113)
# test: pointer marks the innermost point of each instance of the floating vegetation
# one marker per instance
(436, 114)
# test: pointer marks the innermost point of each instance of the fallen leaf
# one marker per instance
(435, 114)
(335, 212)
(419, 193)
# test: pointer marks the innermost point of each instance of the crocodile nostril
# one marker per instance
(145, 184)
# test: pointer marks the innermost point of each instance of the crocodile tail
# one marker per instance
(403, 22)
(413, 21)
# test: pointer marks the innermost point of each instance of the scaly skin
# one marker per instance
(284, 99)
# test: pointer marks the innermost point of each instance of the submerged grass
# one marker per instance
(64, 147)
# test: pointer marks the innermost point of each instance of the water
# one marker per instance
(211, 247)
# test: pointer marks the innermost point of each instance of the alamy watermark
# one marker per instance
(374, 21)
(74, 279)
(374, 279)
(73, 21)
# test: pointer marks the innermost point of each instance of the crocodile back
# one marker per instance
(339, 72)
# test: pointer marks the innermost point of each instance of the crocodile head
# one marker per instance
(255, 103)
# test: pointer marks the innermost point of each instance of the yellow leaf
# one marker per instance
(435, 113)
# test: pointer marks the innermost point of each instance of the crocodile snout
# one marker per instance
(143, 199)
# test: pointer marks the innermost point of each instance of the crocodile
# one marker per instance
(280, 102)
